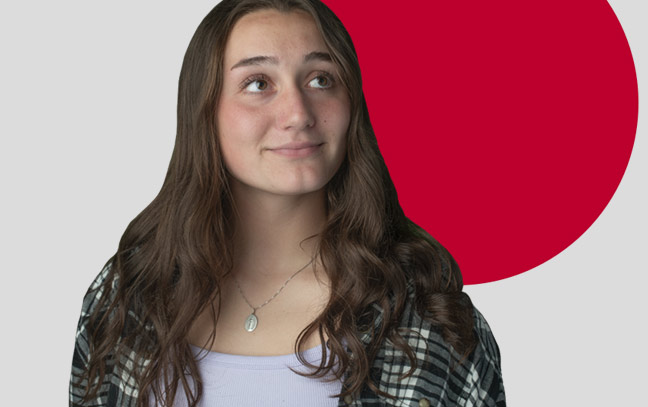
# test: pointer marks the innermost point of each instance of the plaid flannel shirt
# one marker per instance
(437, 380)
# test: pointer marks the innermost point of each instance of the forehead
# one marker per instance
(267, 32)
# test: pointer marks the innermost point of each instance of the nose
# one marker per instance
(294, 110)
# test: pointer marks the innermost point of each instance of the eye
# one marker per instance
(255, 84)
(322, 81)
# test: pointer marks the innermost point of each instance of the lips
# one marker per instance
(297, 149)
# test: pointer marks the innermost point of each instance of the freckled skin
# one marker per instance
(287, 102)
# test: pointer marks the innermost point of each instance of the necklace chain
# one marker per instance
(254, 309)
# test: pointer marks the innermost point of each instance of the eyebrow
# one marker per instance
(259, 60)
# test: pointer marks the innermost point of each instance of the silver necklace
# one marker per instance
(252, 320)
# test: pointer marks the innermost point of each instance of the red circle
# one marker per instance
(506, 126)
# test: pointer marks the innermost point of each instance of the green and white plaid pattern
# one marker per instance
(437, 381)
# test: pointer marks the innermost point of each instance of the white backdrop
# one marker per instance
(88, 93)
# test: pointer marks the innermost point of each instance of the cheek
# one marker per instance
(239, 129)
(337, 121)
(235, 122)
(231, 127)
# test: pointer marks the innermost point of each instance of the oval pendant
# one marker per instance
(251, 322)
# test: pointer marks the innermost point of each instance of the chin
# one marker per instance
(301, 188)
(302, 183)
(299, 191)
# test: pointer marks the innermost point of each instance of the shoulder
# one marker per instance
(117, 387)
(91, 299)
(439, 376)
(98, 290)
(482, 372)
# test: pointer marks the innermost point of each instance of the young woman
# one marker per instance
(276, 266)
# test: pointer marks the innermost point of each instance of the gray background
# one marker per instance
(87, 97)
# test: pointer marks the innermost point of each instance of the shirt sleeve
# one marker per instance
(483, 381)
(441, 377)
(81, 355)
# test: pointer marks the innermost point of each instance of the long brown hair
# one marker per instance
(174, 255)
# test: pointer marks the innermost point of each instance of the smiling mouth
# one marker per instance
(297, 150)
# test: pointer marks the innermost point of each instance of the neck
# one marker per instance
(275, 235)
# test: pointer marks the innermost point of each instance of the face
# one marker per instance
(283, 113)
